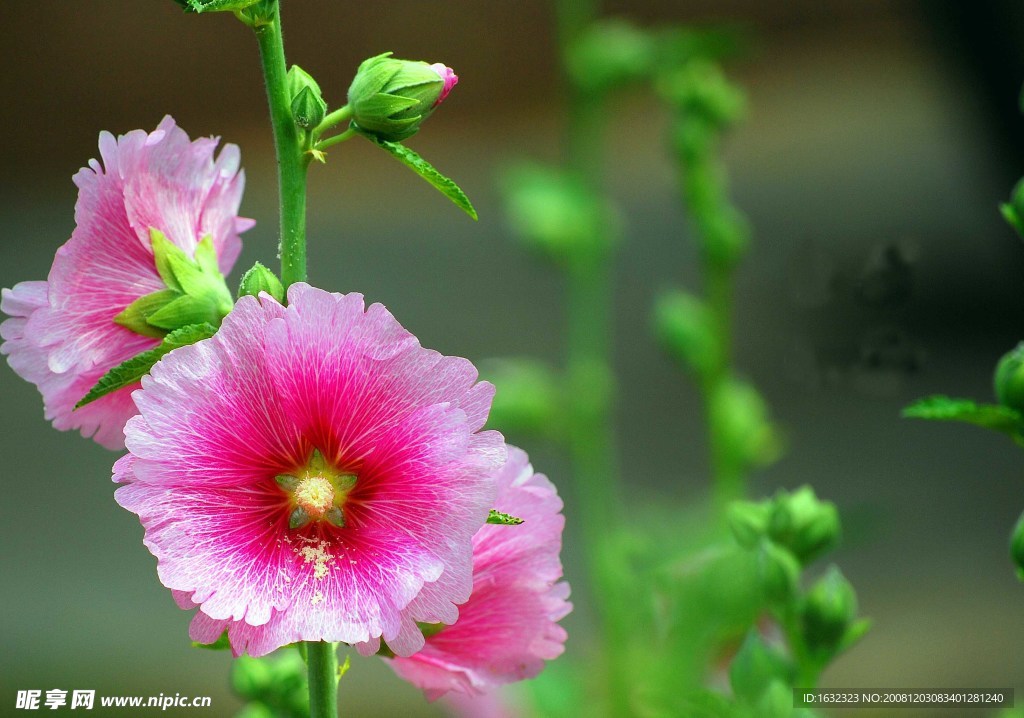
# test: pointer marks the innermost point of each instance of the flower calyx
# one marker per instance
(195, 291)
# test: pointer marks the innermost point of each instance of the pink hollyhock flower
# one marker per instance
(312, 473)
(508, 628)
(61, 335)
(450, 80)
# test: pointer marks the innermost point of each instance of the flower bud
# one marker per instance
(741, 415)
(802, 523)
(686, 329)
(828, 612)
(1009, 379)
(1013, 211)
(527, 397)
(777, 571)
(1017, 546)
(756, 666)
(748, 521)
(391, 98)
(308, 105)
(260, 279)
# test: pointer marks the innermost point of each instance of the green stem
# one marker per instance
(590, 375)
(729, 482)
(331, 141)
(291, 160)
(322, 664)
(332, 119)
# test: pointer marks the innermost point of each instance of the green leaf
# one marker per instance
(944, 408)
(425, 170)
(136, 315)
(503, 519)
(221, 644)
(131, 371)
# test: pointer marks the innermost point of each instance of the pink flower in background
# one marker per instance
(61, 335)
(509, 626)
(312, 473)
(450, 80)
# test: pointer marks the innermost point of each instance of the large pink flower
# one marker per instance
(509, 626)
(61, 335)
(312, 473)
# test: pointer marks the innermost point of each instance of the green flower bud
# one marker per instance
(527, 396)
(610, 53)
(755, 667)
(741, 416)
(777, 571)
(802, 523)
(1009, 379)
(748, 522)
(1013, 211)
(699, 88)
(260, 279)
(391, 98)
(251, 677)
(828, 611)
(308, 105)
(558, 216)
(1017, 546)
(685, 327)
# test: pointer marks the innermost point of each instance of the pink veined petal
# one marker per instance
(508, 628)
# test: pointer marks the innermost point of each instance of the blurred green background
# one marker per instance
(882, 135)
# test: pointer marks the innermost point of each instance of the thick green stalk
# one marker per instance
(322, 664)
(291, 159)
(321, 657)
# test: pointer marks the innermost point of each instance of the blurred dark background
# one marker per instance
(882, 135)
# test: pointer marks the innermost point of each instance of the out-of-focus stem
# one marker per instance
(588, 363)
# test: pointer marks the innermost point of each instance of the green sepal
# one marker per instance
(221, 644)
(756, 666)
(424, 169)
(198, 276)
(163, 248)
(387, 105)
(854, 633)
(503, 519)
(748, 522)
(260, 279)
(945, 408)
(185, 311)
(136, 315)
(131, 371)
